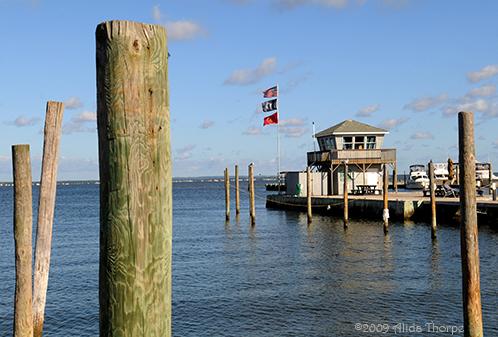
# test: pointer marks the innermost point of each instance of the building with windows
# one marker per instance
(358, 145)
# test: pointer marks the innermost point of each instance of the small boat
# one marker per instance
(418, 178)
(441, 173)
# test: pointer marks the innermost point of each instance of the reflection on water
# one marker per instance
(281, 277)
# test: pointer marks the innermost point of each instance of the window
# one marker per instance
(359, 142)
(370, 142)
(347, 143)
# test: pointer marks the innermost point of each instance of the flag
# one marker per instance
(269, 105)
(272, 119)
(272, 92)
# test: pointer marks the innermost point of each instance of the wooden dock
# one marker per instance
(402, 206)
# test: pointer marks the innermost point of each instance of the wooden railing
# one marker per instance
(354, 156)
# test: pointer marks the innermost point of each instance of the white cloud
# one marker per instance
(422, 135)
(483, 91)
(473, 105)
(484, 73)
(22, 121)
(184, 30)
(252, 131)
(185, 152)
(293, 132)
(82, 122)
(206, 124)
(179, 29)
(426, 103)
(73, 103)
(393, 123)
(251, 76)
(368, 110)
(292, 122)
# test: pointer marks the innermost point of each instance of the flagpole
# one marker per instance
(278, 139)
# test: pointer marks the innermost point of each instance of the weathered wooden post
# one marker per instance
(490, 170)
(308, 195)
(46, 208)
(432, 188)
(493, 185)
(395, 178)
(23, 232)
(385, 212)
(252, 206)
(237, 192)
(345, 195)
(135, 180)
(472, 311)
(457, 169)
(227, 195)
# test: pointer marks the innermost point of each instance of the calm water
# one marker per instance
(281, 278)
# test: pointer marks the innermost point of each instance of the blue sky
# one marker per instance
(405, 65)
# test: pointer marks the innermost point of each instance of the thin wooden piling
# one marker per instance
(494, 193)
(46, 208)
(395, 178)
(252, 205)
(345, 194)
(472, 311)
(308, 194)
(432, 187)
(23, 232)
(237, 193)
(135, 180)
(490, 173)
(385, 212)
(227, 195)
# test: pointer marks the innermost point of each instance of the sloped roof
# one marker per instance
(350, 126)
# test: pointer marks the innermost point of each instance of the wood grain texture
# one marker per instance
(46, 207)
(385, 192)
(135, 180)
(308, 195)
(252, 204)
(227, 195)
(432, 188)
(23, 231)
(471, 288)
(237, 192)
(345, 197)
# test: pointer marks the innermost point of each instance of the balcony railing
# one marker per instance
(352, 156)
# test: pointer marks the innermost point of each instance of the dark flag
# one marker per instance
(272, 119)
(272, 92)
(269, 105)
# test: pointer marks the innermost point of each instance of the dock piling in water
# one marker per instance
(23, 232)
(308, 195)
(385, 185)
(135, 180)
(227, 195)
(345, 194)
(237, 192)
(252, 205)
(46, 208)
(432, 187)
(472, 310)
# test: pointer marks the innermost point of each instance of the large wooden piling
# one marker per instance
(237, 192)
(46, 208)
(135, 180)
(252, 205)
(308, 195)
(23, 232)
(385, 185)
(227, 195)
(472, 311)
(345, 194)
(432, 188)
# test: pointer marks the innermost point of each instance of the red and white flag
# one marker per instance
(272, 119)
(272, 92)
